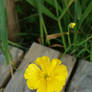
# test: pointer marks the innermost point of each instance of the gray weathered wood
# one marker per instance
(82, 79)
(4, 68)
(69, 61)
(18, 84)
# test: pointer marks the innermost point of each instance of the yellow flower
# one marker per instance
(46, 75)
(72, 25)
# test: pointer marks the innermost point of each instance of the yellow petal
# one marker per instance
(72, 25)
(43, 62)
(51, 83)
(59, 87)
(61, 70)
(54, 85)
(32, 74)
(53, 66)
(60, 83)
(55, 62)
(31, 85)
(61, 74)
(42, 86)
(31, 70)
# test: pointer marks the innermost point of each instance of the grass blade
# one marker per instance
(42, 8)
(3, 31)
(65, 10)
(85, 14)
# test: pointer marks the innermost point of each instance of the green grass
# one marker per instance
(3, 31)
(77, 42)
(53, 16)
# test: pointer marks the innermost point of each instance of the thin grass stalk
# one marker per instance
(62, 37)
(60, 27)
(17, 45)
(80, 52)
(82, 42)
(45, 30)
(76, 27)
(41, 30)
(67, 50)
(69, 39)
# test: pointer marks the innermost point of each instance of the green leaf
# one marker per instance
(78, 10)
(41, 8)
(51, 2)
(65, 9)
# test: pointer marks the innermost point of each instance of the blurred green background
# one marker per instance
(48, 23)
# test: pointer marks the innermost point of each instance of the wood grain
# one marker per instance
(4, 68)
(18, 84)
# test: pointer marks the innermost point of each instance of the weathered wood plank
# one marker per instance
(69, 61)
(4, 68)
(82, 80)
(18, 84)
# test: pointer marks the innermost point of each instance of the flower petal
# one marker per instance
(43, 62)
(51, 85)
(31, 70)
(61, 70)
(32, 74)
(54, 85)
(31, 85)
(42, 86)
(55, 62)
(61, 74)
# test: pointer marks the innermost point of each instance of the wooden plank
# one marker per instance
(69, 61)
(18, 84)
(4, 68)
(82, 79)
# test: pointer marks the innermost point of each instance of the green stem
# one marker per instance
(41, 30)
(61, 31)
(45, 30)
(69, 40)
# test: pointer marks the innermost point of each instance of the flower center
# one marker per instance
(46, 76)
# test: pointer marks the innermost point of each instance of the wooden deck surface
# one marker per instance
(17, 83)
(17, 55)
(81, 81)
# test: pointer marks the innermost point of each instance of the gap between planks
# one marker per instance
(82, 79)
(16, 55)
